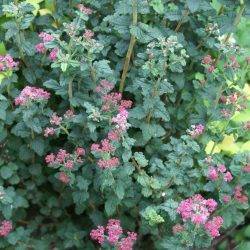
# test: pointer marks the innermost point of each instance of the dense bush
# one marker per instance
(117, 124)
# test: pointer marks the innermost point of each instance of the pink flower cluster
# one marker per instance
(5, 228)
(53, 54)
(88, 34)
(231, 99)
(213, 226)
(199, 210)
(57, 121)
(104, 148)
(196, 208)
(209, 63)
(214, 173)
(85, 10)
(104, 87)
(239, 195)
(112, 103)
(65, 161)
(246, 168)
(41, 48)
(31, 94)
(196, 130)
(177, 228)
(109, 163)
(233, 63)
(114, 232)
(7, 63)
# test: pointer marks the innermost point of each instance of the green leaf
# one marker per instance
(2, 49)
(157, 6)
(140, 158)
(119, 190)
(38, 145)
(110, 205)
(64, 67)
(6, 172)
(193, 5)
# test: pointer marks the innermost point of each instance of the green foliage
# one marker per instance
(159, 47)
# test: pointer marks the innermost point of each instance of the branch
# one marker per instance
(130, 48)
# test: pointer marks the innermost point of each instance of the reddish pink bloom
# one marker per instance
(95, 147)
(40, 48)
(222, 168)
(211, 204)
(196, 208)
(128, 242)
(113, 135)
(5, 228)
(207, 60)
(234, 63)
(64, 178)
(247, 125)
(177, 228)
(31, 94)
(233, 98)
(111, 101)
(223, 99)
(69, 114)
(55, 120)
(7, 63)
(98, 234)
(226, 198)
(80, 151)
(62, 155)
(50, 158)
(213, 226)
(211, 69)
(104, 87)
(247, 168)
(53, 54)
(46, 37)
(114, 230)
(84, 9)
(213, 174)
(127, 104)
(110, 163)
(196, 130)
(239, 195)
(88, 34)
(121, 120)
(225, 113)
(228, 176)
(49, 131)
(69, 164)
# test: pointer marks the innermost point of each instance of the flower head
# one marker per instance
(31, 94)
(98, 234)
(213, 226)
(5, 228)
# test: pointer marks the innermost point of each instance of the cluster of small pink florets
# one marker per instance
(209, 63)
(198, 210)
(238, 195)
(114, 232)
(41, 48)
(7, 63)
(58, 122)
(196, 130)
(5, 228)
(66, 161)
(214, 173)
(31, 94)
(85, 10)
(113, 104)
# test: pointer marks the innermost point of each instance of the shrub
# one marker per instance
(118, 126)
